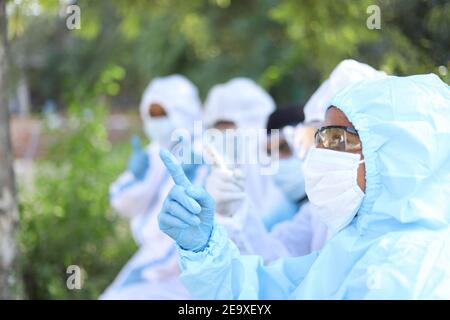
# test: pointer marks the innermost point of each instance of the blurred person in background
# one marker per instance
(167, 103)
(291, 226)
(240, 106)
(289, 176)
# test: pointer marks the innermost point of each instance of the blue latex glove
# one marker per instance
(190, 164)
(187, 215)
(139, 161)
(191, 171)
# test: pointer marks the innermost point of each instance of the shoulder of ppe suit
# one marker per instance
(219, 249)
(403, 265)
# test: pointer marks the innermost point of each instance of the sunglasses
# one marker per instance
(338, 138)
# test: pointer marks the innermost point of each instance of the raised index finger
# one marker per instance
(174, 168)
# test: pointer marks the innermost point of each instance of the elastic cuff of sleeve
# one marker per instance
(217, 240)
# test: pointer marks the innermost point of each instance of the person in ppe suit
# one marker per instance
(379, 178)
(168, 103)
(293, 228)
(234, 109)
(289, 176)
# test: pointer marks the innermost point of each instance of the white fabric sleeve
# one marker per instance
(246, 229)
(131, 197)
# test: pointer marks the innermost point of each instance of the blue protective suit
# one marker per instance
(398, 245)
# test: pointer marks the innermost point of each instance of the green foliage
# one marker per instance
(289, 46)
(66, 219)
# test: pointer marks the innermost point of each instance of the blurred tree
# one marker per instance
(8, 207)
(289, 46)
(415, 37)
(411, 39)
(66, 220)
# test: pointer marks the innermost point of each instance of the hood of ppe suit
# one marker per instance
(240, 100)
(403, 123)
(243, 102)
(178, 96)
(345, 73)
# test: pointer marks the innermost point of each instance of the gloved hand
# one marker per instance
(190, 162)
(187, 215)
(227, 188)
(139, 161)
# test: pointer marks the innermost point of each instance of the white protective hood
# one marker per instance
(177, 95)
(245, 103)
(346, 72)
(239, 100)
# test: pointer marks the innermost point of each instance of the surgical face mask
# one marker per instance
(290, 179)
(160, 130)
(332, 188)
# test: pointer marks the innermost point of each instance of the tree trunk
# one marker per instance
(8, 206)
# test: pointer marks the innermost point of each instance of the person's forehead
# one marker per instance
(154, 106)
(335, 117)
(224, 124)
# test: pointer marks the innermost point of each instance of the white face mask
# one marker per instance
(289, 178)
(160, 130)
(332, 187)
